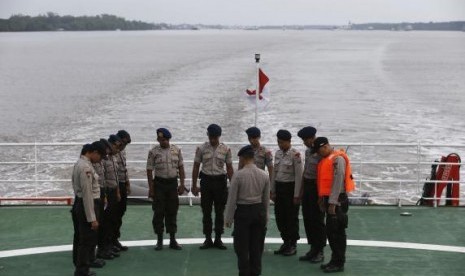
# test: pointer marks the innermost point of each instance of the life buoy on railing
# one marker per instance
(443, 172)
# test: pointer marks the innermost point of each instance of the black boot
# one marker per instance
(291, 249)
(281, 248)
(159, 245)
(307, 255)
(208, 243)
(173, 243)
(318, 257)
(121, 247)
(218, 243)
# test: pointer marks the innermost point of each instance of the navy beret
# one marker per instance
(86, 148)
(163, 133)
(284, 135)
(105, 143)
(113, 139)
(306, 132)
(100, 147)
(214, 130)
(253, 132)
(123, 134)
(318, 143)
(246, 150)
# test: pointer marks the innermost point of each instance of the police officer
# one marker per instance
(334, 180)
(285, 192)
(312, 215)
(113, 198)
(213, 156)
(99, 169)
(262, 156)
(247, 207)
(124, 186)
(102, 251)
(166, 162)
(85, 212)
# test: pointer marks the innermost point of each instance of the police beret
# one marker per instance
(123, 134)
(105, 143)
(253, 132)
(163, 133)
(246, 150)
(113, 139)
(86, 148)
(306, 132)
(284, 135)
(214, 130)
(100, 147)
(318, 143)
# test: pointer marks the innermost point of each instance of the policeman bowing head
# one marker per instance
(253, 134)
(246, 153)
(322, 147)
(163, 137)
(284, 139)
(307, 134)
(214, 134)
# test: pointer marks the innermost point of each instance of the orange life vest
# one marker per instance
(325, 174)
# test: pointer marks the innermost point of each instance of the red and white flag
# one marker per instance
(264, 91)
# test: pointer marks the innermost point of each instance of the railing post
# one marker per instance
(361, 167)
(418, 163)
(435, 203)
(35, 169)
(399, 200)
(190, 194)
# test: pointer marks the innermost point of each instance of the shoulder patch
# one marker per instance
(89, 173)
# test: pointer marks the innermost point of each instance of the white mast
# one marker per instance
(257, 91)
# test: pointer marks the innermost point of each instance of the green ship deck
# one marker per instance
(36, 241)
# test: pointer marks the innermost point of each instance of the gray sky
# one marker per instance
(249, 12)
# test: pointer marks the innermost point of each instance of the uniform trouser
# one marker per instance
(102, 227)
(122, 207)
(111, 218)
(85, 239)
(214, 192)
(286, 212)
(336, 230)
(314, 218)
(165, 205)
(249, 233)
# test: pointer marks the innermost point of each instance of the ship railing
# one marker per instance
(359, 160)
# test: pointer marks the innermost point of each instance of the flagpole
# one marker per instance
(257, 93)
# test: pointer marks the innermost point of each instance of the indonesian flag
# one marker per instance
(264, 92)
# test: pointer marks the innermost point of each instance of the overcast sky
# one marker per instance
(249, 12)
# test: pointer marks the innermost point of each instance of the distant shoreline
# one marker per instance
(105, 22)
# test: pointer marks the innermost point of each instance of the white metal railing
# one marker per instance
(360, 154)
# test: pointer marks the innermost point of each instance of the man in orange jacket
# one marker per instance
(334, 181)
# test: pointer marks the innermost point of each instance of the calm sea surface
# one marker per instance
(353, 86)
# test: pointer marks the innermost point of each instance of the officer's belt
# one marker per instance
(254, 205)
(212, 177)
(166, 179)
(284, 183)
(79, 200)
(309, 181)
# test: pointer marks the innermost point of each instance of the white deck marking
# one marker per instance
(388, 244)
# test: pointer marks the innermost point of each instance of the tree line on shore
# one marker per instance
(105, 22)
(54, 22)
(430, 26)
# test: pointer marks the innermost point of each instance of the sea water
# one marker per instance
(353, 86)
